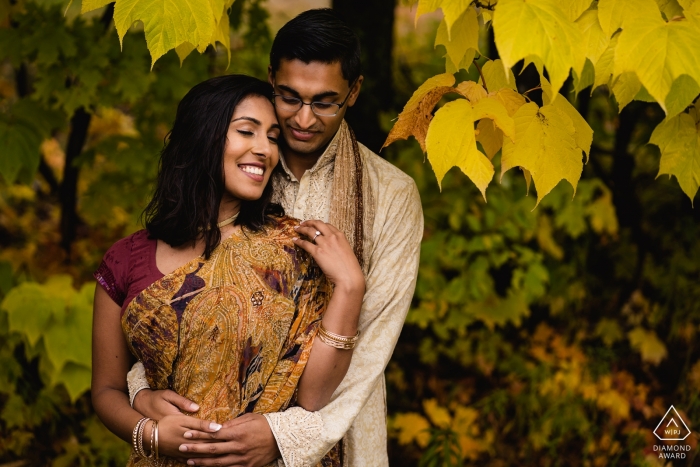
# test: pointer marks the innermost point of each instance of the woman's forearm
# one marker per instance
(112, 406)
(327, 365)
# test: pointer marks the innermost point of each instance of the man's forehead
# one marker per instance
(311, 78)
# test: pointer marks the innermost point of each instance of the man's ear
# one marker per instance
(270, 76)
(355, 91)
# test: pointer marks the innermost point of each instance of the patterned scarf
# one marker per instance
(352, 201)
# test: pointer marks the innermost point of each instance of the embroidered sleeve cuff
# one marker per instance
(296, 430)
(136, 381)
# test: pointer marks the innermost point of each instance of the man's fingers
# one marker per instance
(202, 435)
(211, 449)
(206, 426)
(180, 402)
(230, 460)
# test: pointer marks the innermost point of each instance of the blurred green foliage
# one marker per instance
(557, 336)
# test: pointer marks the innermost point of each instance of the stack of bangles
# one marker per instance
(336, 340)
(137, 438)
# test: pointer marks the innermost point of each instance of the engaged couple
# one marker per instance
(250, 323)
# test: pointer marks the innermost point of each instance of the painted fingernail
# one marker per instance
(194, 407)
(214, 426)
(190, 462)
(296, 227)
(183, 448)
(294, 239)
(187, 434)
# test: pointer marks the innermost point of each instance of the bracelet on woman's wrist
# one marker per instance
(336, 340)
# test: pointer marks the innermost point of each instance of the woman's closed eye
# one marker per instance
(274, 139)
(245, 132)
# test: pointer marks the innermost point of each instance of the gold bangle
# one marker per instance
(156, 434)
(336, 340)
(141, 452)
(153, 435)
(134, 434)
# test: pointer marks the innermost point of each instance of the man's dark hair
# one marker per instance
(318, 36)
(190, 184)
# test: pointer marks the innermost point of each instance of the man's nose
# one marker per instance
(305, 117)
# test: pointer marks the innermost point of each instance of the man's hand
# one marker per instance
(246, 441)
(158, 404)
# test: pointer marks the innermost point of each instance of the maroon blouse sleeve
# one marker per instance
(113, 272)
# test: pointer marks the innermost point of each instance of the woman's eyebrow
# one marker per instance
(275, 126)
(250, 119)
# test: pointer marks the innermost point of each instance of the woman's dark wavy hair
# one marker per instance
(190, 185)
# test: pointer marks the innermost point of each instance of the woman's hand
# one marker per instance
(159, 403)
(333, 254)
(171, 431)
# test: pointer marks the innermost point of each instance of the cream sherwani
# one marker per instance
(357, 410)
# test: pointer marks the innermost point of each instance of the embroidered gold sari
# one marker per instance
(232, 333)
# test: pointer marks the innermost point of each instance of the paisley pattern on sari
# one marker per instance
(232, 333)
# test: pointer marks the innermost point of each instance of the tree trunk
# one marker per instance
(68, 193)
(373, 22)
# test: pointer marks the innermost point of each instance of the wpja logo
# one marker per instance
(672, 427)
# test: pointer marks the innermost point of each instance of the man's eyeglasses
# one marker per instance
(322, 109)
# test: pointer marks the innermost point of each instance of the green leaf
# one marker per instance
(75, 378)
(678, 138)
(30, 310)
(449, 144)
(605, 64)
(539, 28)
(573, 9)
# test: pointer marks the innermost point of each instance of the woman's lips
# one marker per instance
(302, 135)
(256, 177)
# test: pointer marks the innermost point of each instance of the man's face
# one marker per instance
(306, 133)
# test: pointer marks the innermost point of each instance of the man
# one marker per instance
(326, 174)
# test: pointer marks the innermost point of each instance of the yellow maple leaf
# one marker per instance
(440, 417)
(614, 14)
(511, 100)
(573, 9)
(497, 77)
(595, 41)
(490, 137)
(493, 109)
(660, 52)
(648, 344)
(449, 145)
(464, 37)
(584, 133)
(605, 64)
(414, 119)
(168, 24)
(540, 28)
(678, 139)
(545, 145)
(411, 427)
(670, 8)
(472, 91)
(625, 87)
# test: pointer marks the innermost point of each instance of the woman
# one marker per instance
(218, 297)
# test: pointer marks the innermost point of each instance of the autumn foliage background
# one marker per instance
(555, 335)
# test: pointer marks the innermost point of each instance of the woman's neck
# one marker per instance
(228, 208)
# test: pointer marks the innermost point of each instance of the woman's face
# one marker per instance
(251, 149)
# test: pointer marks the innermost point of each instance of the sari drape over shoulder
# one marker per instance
(232, 333)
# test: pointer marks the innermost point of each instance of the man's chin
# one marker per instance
(311, 147)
